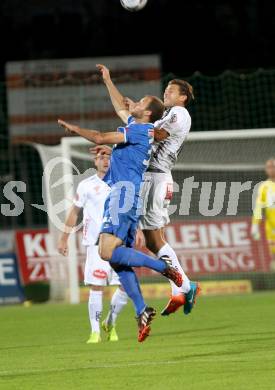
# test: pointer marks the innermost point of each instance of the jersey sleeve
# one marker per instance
(80, 197)
(177, 121)
(130, 120)
(261, 201)
(122, 130)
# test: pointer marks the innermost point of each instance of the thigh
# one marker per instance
(270, 236)
(113, 278)
(155, 215)
(107, 243)
(122, 231)
(96, 270)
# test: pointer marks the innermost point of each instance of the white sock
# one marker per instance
(95, 309)
(118, 301)
(167, 250)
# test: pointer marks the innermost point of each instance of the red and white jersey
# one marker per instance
(177, 122)
(91, 194)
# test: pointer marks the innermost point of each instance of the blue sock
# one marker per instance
(131, 286)
(133, 258)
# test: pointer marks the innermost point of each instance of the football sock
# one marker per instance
(131, 286)
(95, 309)
(118, 301)
(167, 250)
(132, 258)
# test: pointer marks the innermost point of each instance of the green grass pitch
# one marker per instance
(226, 343)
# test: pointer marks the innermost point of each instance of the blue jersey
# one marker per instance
(129, 160)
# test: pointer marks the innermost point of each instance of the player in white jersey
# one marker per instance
(170, 133)
(90, 196)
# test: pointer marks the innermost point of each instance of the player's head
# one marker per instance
(270, 168)
(178, 93)
(148, 109)
(102, 163)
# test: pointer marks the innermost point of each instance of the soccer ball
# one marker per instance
(133, 5)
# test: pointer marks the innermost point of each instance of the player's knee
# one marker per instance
(154, 242)
(96, 288)
(152, 247)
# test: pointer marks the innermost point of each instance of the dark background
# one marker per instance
(191, 35)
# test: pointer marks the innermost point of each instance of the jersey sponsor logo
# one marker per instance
(173, 118)
(107, 221)
(169, 191)
(100, 274)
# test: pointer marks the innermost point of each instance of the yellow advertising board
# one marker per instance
(208, 288)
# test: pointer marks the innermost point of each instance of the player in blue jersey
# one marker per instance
(129, 161)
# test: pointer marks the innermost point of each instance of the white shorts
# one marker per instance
(156, 194)
(97, 271)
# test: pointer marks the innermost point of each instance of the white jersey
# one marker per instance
(91, 194)
(177, 122)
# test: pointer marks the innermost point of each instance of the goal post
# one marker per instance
(74, 294)
(64, 166)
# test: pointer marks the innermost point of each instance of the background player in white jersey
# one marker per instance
(90, 196)
(170, 133)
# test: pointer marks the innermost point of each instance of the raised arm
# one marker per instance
(116, 97)
(97, 137)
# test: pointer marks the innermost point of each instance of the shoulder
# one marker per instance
(139, 129)
(101, 182)
(87, 182)
(263, 186)
(177, 120)
(178, 114)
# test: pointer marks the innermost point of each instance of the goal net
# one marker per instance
(216, 180)
(64, 166)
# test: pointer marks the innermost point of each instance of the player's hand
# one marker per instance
(67, 126)
(255, 232)
(104, 72)
(140, 239)
(62, 247)
(100, 149)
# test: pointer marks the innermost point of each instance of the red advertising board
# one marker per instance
(36, 254)
(219, 246)
(203, 247)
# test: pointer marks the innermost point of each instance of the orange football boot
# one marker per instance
(175, 302)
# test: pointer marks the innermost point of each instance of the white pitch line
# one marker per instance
(93, 367)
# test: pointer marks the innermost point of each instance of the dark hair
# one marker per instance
(156, 107)
(185, 89)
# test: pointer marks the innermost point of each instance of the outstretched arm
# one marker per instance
(95, 136)
(116, 97)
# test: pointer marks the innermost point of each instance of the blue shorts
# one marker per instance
(121, 224)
